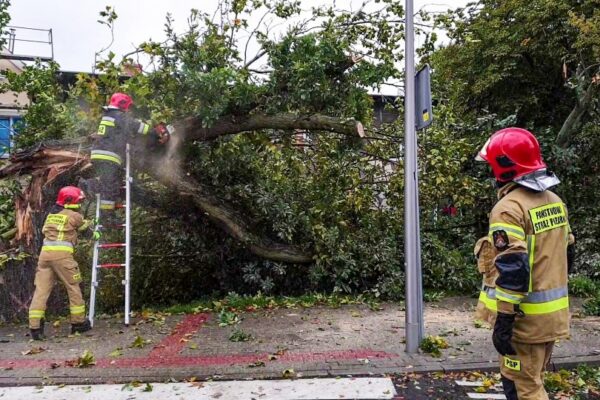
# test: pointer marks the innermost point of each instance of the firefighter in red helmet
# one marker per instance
(108, 149)
(529, 231)
(60, 230)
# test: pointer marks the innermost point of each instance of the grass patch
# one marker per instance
(239, 335)
(592, 306)
(582, 286)
(234, 303)
(433, 345)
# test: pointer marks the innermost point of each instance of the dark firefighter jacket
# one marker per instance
(115, 129)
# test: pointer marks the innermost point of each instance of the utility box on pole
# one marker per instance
(423, 104)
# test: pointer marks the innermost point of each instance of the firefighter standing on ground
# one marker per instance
(530, 232)
(56, 260)
(108, 149)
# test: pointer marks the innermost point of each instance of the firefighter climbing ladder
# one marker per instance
(126, 244)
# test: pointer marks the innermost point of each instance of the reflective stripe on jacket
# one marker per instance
(530, 233)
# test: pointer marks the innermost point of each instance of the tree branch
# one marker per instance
(226, 218)
(193, 129)
(573, 121)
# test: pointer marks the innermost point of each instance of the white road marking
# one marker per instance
(470, 384)
(314, 389)
(486, 396)
(475, 384)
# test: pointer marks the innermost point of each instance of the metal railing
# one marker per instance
(12, 39)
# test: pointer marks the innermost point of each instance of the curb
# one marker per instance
(165, 375)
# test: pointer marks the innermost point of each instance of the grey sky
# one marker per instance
(77, 35)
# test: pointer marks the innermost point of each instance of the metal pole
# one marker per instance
(418, 266)
(412, 260)
(51, 42)
(127, 234)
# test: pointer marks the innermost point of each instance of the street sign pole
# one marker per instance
(412, 249)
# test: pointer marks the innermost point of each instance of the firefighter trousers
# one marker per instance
(110, 177)
(67, 271)
(523, 374)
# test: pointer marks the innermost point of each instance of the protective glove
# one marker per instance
(96, 235)
(502, 335)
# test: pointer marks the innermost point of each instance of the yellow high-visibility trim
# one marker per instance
(545, 308)
(510, 363)
(145, 129)
(57, 248)
(511, 230)
(77, 310)
(548, 217)
(72, 206)
(107, 123)
(36, 314)
(512, 298)
(106, 158)
(490, 304)
(531, 251)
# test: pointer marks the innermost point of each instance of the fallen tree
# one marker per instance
(265, 175)
(45, 162)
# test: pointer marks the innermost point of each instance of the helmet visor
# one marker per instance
(482, 154)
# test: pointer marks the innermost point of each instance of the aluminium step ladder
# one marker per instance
(126, 245)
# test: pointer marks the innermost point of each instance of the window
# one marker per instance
(9, 126)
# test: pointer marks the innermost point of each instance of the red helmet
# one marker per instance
(69, 195)
(512, 153)
(121, 100)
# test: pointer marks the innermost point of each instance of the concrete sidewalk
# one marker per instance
(313, 342)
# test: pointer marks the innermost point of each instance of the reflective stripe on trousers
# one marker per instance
(107, 205)
(37, 314)
(77, 310)
(106, 156)
(57, 245)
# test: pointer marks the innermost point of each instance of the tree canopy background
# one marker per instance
(267, 185)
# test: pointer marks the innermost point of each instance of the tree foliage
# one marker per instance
(326, 192)
(533, 64)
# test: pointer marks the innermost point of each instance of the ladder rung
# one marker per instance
(111, 245)
(111, 265)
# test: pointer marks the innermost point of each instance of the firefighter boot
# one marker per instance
(81, 327)
(38, 333)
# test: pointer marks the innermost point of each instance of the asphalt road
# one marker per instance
(440, 386)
